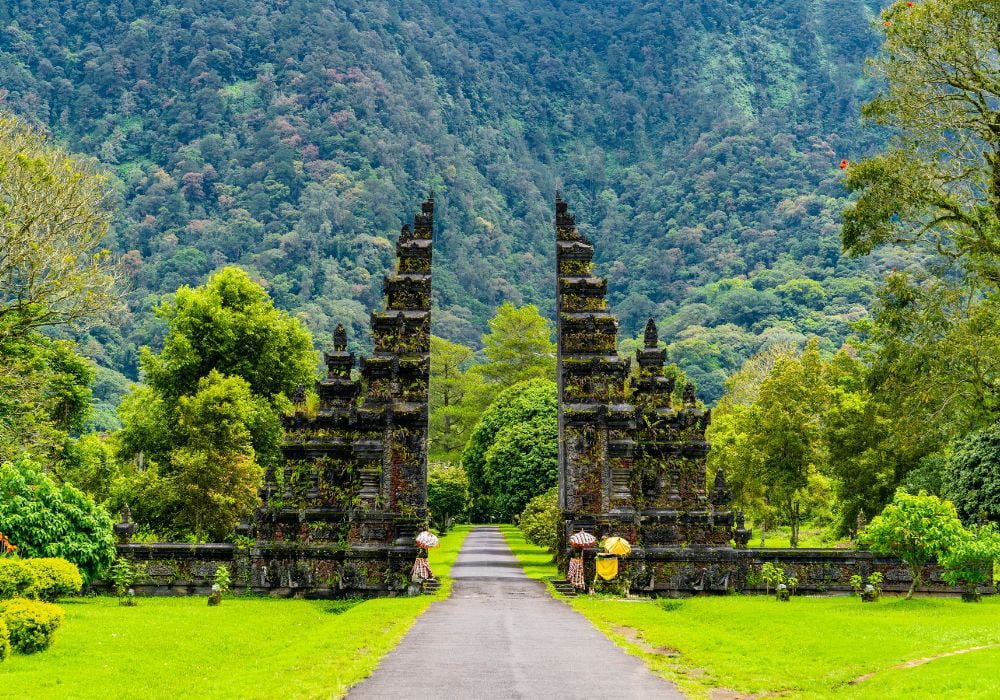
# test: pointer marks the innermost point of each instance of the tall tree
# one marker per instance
(939, 180)
(518, 346)
(453, 399)
(524, 419)
(774, 446)
(54, 269)
(214, 473)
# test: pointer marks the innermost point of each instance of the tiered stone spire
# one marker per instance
(353, 487)
(631, 463)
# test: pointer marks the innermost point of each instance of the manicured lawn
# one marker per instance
(246, 648)
(811, 647)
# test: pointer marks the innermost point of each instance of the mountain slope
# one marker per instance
(696, 141)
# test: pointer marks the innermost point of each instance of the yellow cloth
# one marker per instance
(607, 568)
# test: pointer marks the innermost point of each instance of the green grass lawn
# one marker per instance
(246, 648)
(812, 647)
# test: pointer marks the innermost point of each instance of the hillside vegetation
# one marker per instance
(697, 142)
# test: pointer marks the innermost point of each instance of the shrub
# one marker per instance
(32, 623)
(123, 576)
(222, 578)
(969, 562)
(917, 529)
(16, 579)
(4, 640)
(51, 520)
(55, 578)
(540, 520)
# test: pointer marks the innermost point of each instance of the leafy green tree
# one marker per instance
(939, 180)
(229, 325)
(972, 476)
(45, 519)
(447, 493)
(531, 403)
(541, 519)
(215, 474)
(917, 529)
(773, 445)
(969, 562)
(518, 347)
(45, 396)
(521, 463)
(453, 398)
(53, 219)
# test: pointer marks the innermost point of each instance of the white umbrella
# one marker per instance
(427, 540)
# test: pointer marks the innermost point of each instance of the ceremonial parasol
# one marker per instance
(582, 539)
(426, 540)
(617, 545)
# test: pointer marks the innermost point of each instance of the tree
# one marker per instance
(215, 474)
(917, 529)
(772, 445)
(53, 219)
(45, 395)
(533, 403)
(939, 180)
(518, 347)
(45, 519)
(521, 463)
(447, 493)
(969, 562)
(452, 399)
(541, 519)
(229, 325)
(972, 476)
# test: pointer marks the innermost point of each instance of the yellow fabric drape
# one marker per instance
(607, 568)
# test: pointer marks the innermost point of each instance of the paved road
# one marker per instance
(500, 635)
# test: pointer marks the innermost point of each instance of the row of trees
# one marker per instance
(914, 398)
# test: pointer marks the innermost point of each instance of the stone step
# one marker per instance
(432, 586)
(563, 587)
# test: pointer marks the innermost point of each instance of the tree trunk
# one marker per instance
(915, 574)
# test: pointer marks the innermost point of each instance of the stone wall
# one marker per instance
(692, 570)
(184, 569)
(279, 570)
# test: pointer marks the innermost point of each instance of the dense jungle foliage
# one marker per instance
(697, 142)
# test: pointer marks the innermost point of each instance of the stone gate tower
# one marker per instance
(341, 515)
(631, 457)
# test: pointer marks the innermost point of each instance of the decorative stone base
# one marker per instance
(681, 571)
(300, 571)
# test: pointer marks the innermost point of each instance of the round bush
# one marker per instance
(17, 579)
(55, 578)
(4, 640)
(32, 623)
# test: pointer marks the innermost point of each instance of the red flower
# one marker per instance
(843, 164)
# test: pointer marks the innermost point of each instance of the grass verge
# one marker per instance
(812, 647)
(245, 648)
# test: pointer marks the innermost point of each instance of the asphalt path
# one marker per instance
(501, 635)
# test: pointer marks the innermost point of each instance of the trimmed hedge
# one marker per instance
(4, 640)
(17, 579)
(32, 623)
(55, 578)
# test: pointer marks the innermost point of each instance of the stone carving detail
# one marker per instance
(635, 467)
(353, 487)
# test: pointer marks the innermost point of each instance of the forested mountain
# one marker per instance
(697, 142)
